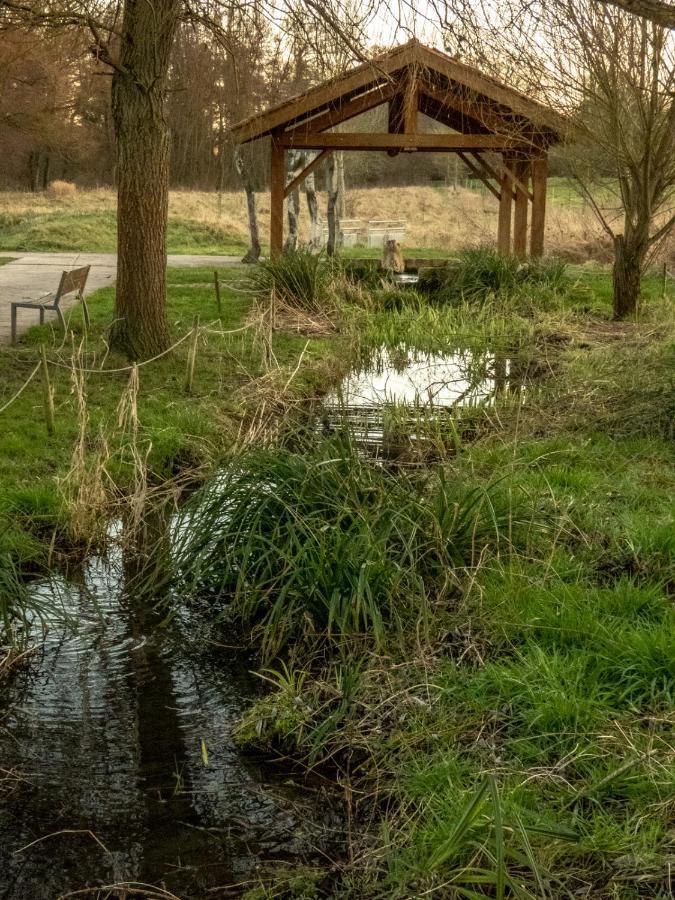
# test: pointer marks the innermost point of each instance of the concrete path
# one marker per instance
(34, 274)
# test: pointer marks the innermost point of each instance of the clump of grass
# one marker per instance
(327, 543)
(482, 272)
(301, 280)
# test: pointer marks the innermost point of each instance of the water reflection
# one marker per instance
(126, 729)
(406, 389)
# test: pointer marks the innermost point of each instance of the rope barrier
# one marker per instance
(22, 388)
(61, 365)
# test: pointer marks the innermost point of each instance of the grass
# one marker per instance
(179, 432)
(79, 232)
(480, 651)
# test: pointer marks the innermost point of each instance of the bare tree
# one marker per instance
(612, 74)
(135, 41)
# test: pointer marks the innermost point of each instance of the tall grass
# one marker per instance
(327, 543)
(300, 279)
(480, 273)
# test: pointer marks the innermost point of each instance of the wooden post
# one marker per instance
(216, 282)
(664, 281)
(522, 172)
(277, 187)
(505, 207)
(48, 393)
(539, 175)
(192, 356)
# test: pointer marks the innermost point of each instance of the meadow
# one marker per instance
(440, 218)
(477, 652)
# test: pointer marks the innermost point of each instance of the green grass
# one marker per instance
(97, 232)
(180, 432)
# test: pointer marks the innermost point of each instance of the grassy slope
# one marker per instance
(553, 676)
(180, 431)
(553, 673)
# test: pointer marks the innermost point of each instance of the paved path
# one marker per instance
(34, 274)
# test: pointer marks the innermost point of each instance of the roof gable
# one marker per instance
(446, 89)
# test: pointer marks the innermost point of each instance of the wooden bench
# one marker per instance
(73, 281)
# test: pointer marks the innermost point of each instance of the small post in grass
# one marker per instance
(216, 282)
(664, 281)
(48, 393)
(192, 356)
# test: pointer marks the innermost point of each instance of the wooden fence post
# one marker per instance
(48, 394)
(192, 356)
(216, 281)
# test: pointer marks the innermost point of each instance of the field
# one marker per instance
(474, 647)
(440, 218)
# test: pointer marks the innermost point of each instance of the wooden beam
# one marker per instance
(449, 116)
(277, 186)
(344, 112)
(505, 207)
(291, 186)
(539, 175)
(473, 112)
(478, 173)
(364, 77)
(369, 141)
(522, 171)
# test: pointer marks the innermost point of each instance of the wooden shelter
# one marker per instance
(501, 135)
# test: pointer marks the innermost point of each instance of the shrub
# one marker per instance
(61, 189)
(483, 272)
(328, 542)
(301, 280)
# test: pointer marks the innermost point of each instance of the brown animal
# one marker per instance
(392, 258)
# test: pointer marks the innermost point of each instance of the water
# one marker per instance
(420, 387)
(124, 730)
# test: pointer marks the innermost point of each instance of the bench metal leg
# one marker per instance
(13, 316)
(42, 316)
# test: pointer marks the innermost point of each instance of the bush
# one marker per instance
(301, 280)
(61, 189)
(483, 272)
(328, 542)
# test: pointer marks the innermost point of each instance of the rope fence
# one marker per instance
(195, 331)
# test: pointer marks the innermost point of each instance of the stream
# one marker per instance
(122, 726)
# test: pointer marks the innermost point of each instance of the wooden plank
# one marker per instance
(505, 207)
(539, 176)
(521, 168)
(291, 186)
(277, 185)
(366, 141)
(345, 111)
(478, 174)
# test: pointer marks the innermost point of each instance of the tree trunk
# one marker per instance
(291, 242)
(333, 189)
(140, 328)
(342, 191)
(252, 255)
(628, 262)
(315, 235)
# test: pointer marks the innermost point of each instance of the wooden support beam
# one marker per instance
(539, 176)
(277, 187)
(368, 141)
(521, 168)
(479, 173)
(342, 112)
(300, 177)
(505, 207)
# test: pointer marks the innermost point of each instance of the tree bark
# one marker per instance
(252, 255)
(332, 216)
(140, 328)
(627, 272)
(293, 212)
(315, 236)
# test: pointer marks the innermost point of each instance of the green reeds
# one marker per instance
(301, 280)
(328, 544)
